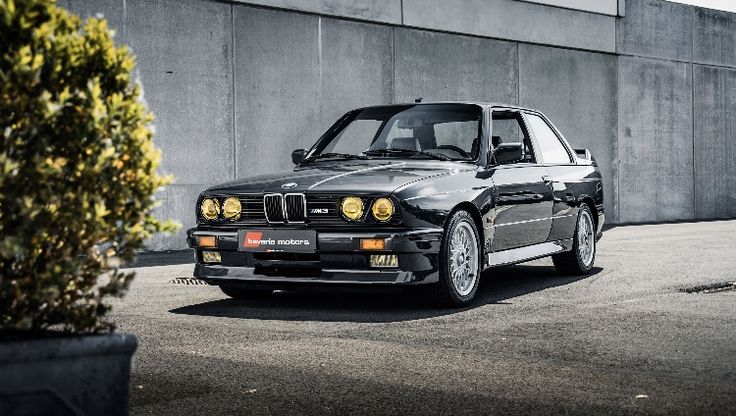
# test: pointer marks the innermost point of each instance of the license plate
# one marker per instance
(284, 241)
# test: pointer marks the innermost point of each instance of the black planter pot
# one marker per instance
(77, 375)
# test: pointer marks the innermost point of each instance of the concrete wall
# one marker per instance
(236, 86)
(655, 141)
(610, 7)
(580, 97)
(715, 147)
(676, 137)
(516, 20)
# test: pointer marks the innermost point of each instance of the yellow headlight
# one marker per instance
(352, 207)
(383, 209)
(231, 208)
(210, 209)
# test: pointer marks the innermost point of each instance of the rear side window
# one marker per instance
(551, 148)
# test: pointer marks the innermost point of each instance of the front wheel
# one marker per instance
(580, 260)
(460, 260)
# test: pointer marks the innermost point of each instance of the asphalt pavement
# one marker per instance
(625, 340)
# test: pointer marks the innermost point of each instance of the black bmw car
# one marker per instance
(402, 195)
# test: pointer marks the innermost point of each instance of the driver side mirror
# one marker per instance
(297, 156)
(506, 153)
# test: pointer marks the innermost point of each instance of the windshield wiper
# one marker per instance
(335, 156)
(404, 152)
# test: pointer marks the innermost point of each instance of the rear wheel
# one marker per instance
(460, 260)
(580, 260)
(240, 293)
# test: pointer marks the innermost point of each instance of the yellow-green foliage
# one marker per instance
(77, 168)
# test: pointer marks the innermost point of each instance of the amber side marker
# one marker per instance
(372, 244)
(206, 241)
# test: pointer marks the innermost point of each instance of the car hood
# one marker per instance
(372, 176)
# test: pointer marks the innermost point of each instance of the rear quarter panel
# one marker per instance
(574, 185)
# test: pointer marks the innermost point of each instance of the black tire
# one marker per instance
(574, 262)
(446, 293)
(240, 293)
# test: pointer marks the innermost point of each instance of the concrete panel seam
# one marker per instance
(692, 110)
(653, 58)
(692, 37)
(319, 49)
(125, 19)
(692, 107)
(393, 64)
(320, 97)
(234, 139)
(717, 66)
(615, 164)
(518, 74)
(618, 147)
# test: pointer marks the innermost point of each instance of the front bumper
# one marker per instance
(338, 260)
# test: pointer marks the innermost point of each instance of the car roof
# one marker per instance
(479, 103)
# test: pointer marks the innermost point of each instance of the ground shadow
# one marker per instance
(498, 286)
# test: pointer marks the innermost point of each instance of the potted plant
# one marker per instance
(77, 179)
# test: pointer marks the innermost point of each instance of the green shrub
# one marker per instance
(77, 169)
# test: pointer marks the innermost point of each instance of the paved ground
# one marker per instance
(624, 340)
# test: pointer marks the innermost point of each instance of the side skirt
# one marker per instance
(517, 255)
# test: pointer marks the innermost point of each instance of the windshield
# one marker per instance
(438, 131)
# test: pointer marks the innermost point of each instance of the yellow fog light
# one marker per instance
(352, 208)
(210, 209)
(383, 209)
(384, 260)
(211, 257)
(231, 208)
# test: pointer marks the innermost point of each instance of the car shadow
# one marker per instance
(497, 286)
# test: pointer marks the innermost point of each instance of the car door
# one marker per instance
(523, 197)
(557, 158)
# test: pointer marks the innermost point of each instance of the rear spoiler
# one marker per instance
(585, 154)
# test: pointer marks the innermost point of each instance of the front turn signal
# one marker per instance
(206, 241)
(372, 244)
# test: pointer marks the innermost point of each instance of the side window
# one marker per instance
(508, 128)
(551, 148)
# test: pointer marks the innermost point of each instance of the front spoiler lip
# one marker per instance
(215, 274)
